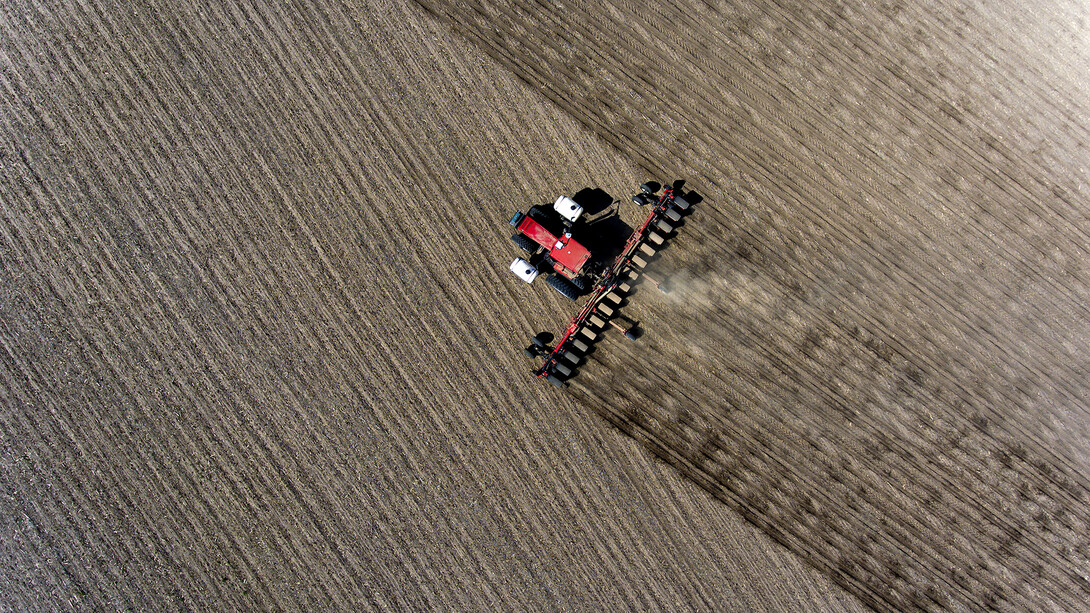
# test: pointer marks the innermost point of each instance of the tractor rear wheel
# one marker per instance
(562, 286)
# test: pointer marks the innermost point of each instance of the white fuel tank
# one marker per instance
(524, 270)
(567, 208)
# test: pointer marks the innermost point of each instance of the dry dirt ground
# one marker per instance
(260, 349)
(877, 350)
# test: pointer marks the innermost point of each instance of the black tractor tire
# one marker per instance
(563, 286)
(647, 188)
(580, 284)
(525, 243)
(673, 214)
(530, 353)
(539, 212)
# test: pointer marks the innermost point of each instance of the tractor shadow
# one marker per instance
(603, 232)
(594, 200)
(605, 237)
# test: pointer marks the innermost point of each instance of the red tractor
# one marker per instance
(547, 236)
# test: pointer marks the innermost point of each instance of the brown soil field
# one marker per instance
(260, 349)
(878, 343)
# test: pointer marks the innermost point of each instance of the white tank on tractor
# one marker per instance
(524, 270)
(567, 208)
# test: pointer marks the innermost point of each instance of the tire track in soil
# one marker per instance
(875, 321)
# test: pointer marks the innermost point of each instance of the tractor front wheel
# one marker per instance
(525, 243)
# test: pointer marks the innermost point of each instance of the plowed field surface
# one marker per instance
(259, 349)
(877, 347)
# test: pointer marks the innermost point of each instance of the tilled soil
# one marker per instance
(877, 341)
(259, 349)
